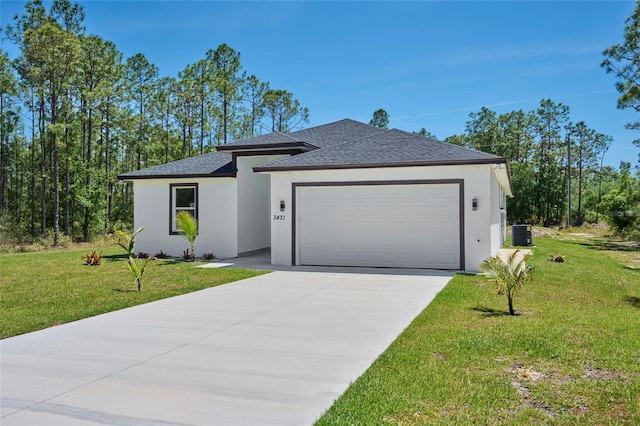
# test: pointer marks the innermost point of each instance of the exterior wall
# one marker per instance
(498, 213)
(481, 236)
(217, 217)
(496, 216)
(254, 231)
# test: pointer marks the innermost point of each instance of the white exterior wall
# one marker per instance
(498, 214)
(481, 236)
(494, 217)
(217, 217)
(254, 231)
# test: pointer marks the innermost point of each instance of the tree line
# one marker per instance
(74, 113)
(550, 159)
(556, 165)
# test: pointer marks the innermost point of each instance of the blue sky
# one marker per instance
(428, 64)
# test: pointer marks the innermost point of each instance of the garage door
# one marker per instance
(406, 226)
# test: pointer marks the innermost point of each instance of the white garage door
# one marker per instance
(406, 226)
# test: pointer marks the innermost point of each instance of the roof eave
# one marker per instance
(498, 160)
(177, 176)
(503, 176)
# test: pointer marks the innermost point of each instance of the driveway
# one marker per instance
(276, 349)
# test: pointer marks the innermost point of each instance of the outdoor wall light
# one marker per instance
(474, 204)
(282, 205)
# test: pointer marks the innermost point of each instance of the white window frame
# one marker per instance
(174, 209)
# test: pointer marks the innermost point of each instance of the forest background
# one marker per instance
(75, 113)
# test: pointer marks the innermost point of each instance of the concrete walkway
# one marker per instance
(276, 349)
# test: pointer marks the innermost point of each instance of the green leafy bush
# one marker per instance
(92, 258)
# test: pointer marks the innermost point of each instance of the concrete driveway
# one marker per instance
(276, 349)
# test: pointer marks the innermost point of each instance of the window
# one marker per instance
(183, 197)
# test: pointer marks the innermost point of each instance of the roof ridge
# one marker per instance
(333, 123)
(357, 139)
(446, 143)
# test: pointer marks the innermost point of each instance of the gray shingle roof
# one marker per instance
(342, 144)
(275, 138)
(342, 131)
(319, 136)
(387, 148)
(212, 164)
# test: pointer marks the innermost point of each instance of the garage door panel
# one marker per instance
(414, 226)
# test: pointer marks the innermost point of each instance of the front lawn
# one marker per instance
(571, 357)
(41, 289)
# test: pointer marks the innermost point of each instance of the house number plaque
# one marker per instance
(278, 217)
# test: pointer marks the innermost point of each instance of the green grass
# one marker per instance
(571, 357)
(46, 288)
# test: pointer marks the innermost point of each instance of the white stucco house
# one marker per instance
(344, 193)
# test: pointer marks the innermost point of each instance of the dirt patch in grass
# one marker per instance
(524, 379)
(597, 374)
(529, 401)
(439, 356)
(539, 232)
(626, 252)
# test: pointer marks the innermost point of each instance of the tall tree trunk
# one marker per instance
(568, 180)
(107, 168)
(19, 177)
(67, 184)
(202, 118)
(184, 141)
(225, 118)
(599, 188)
(33, 169)
(43, 163)
(165, 134)
(56, 171)
(579, 219)
(141, 141)
(2, 155)
(87, 179)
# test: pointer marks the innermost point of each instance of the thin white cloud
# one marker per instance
(494, 54)
(500, 104)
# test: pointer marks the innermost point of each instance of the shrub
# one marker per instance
(92, 258)
(555, 258)
(186, 255)
(162, 255)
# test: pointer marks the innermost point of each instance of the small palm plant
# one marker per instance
(509, 274)
(137, 269)
(189, 228)
(128, 243)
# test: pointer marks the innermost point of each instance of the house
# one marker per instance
(344, 193)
